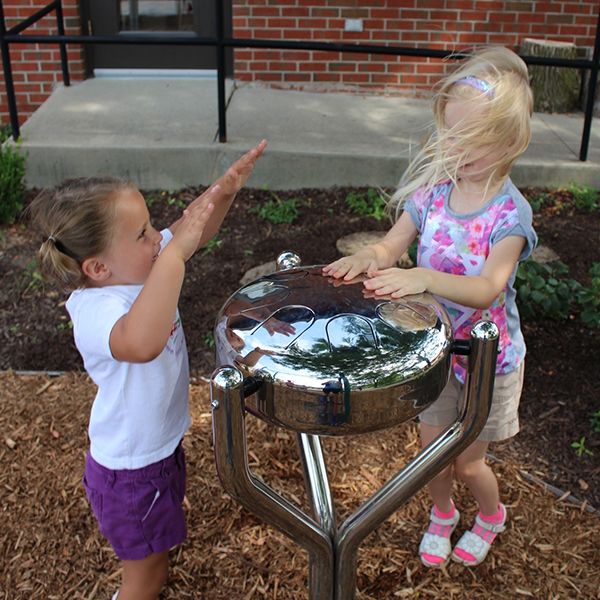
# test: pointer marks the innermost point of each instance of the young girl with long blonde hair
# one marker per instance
(474, 227)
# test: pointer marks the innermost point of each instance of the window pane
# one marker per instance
(156, 15)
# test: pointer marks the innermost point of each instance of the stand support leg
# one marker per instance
(227, 400)
(437, 455)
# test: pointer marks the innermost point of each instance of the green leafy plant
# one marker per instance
(174, 201)
(209, 339)
(544, 291)
(538, 200)
(211, 245)
(12, 181)
(595, 421)
(369, 204)
(32, 278)
(580, 447)
(589, 299)
(277, 210)
(584, 196)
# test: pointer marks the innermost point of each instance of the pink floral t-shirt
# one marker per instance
(460, 244)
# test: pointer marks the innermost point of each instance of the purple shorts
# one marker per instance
(139, 511)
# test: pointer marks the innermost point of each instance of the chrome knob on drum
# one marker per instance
(324, 357)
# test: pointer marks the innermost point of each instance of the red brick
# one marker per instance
(518, 6)
(283, 23)
(299, 55)
(354, 13)
(312, 23)
(327, 77)
(343, 66)
(355, 77)
(443, 15)
(374, 24)
(330, 36)
(548, 7)
(559, 19)
(296, 77)
(473, 38)
(573, 30)
(532, 18)
(544, 29)
(321, 66)
(265, 34)
(294, 11)
(325, 12)
(388, 13)
(283, 66)
(255, 23)
(374, 67)
(266, 11)
(268, 76)
(258, 66)
(414, 36)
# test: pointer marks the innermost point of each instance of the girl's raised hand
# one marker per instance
(397, 282)
(236, 176)
(191, 225)
(350, 267)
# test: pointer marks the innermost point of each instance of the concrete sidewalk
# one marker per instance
(162, 133)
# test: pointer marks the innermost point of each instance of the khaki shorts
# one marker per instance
(503, 421)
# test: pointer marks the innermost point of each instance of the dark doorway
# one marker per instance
(179, 17)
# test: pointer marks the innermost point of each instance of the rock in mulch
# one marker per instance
(544, 254)
(350, 244)
(258, 271)
(50, 548)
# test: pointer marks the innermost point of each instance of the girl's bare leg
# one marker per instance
(440, 487)
(471, 468)
(144, 579)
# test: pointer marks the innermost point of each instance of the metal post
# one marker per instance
(64, 63)
(317, 483)
(437, 455)
(221, 71)
(227, 400)
(591, 94)
(8, 78)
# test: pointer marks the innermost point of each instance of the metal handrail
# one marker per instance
(221, 43)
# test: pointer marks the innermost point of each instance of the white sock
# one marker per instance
(115, 595)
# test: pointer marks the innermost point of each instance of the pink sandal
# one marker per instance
(435, 543)
(474, 545)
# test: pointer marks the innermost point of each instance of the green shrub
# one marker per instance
(12, 182)
(369, 204)
(589, 299)
(584, 197)
(277, 211)
(544, 291)
(538, 200)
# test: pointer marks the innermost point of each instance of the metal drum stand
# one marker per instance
(303, 352)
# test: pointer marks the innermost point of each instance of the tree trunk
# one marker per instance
(555, 89)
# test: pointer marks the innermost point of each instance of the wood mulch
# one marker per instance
(50, 547)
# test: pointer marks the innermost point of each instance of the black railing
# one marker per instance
(221, 43)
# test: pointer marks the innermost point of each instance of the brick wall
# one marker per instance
(36, 68)
(441, 24)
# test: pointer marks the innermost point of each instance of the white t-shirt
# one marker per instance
(140, 412)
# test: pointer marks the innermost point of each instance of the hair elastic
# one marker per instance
(478, 84)
(61, 247)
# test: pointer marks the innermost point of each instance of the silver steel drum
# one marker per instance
(321, 357)
(329, 360)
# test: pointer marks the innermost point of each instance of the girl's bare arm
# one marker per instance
(230, 184)
(475, 291)
(142, 333)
